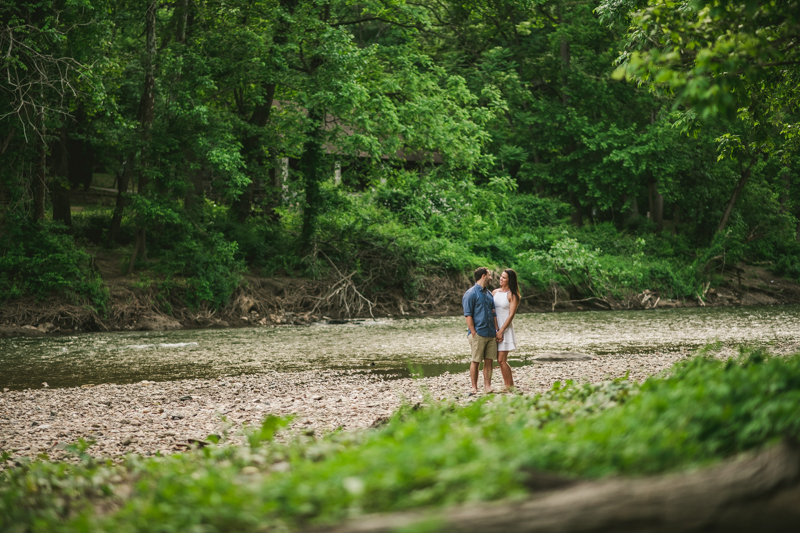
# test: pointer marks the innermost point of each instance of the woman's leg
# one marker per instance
(505, 370)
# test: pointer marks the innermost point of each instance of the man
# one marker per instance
(479, 311)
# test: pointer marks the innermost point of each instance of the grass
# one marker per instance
(438, 455)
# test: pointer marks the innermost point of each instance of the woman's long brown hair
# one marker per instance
(513, 285)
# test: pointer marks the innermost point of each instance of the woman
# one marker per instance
(506, 301)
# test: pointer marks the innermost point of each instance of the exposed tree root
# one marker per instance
(346, 294)
(63, 315)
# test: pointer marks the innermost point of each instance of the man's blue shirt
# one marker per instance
(479, 304)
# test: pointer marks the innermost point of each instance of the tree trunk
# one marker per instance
(750, 493)
(122, 190)
(242, 205)
(633, 214)
(577, 210)
(253, 154)
(39, 186)
(60, 166)
(81, 154)
(182, 14)
(194, 191)
(147, 112)
(735, 196)
(565, 60)
(311, 165)
(676, 219)
(81, 163)
(656, 205)
(7, 140)
(785, 190)
(139, 248)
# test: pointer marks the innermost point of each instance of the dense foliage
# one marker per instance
(39, 262)
(704, 410)
(604, 146)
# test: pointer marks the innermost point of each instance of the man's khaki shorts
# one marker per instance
(482, 348)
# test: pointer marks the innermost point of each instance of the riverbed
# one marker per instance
(158, 392)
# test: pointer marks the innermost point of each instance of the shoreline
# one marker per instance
(295, 301)
(166, 323)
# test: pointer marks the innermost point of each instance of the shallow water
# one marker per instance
(385, 346)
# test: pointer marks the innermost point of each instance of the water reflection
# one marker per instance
(383, 346)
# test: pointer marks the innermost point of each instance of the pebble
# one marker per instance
(143, 418)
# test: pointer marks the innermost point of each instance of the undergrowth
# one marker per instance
(441, 454)
(395, 237)
(39, 259)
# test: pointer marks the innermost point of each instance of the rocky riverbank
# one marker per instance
(168, 417)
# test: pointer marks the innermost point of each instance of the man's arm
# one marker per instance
(471, 325)
(499, 333)
(468, 303)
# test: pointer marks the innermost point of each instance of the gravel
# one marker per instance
(167, 417)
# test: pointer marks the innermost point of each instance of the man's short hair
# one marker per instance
(480, 272)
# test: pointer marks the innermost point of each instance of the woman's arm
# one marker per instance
(512, 310)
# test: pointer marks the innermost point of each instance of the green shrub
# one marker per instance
(208, 265)
(41, 259)
(524, 212)
(91, 227)
(788, 266)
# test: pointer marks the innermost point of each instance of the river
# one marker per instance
(385, 346)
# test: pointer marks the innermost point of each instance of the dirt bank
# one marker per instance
(259, 301)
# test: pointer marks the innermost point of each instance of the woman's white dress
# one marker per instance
(503, 309)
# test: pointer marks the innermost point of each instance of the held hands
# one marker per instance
(499, 335)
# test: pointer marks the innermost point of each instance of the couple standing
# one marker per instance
(489, 316)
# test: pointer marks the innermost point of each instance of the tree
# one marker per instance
(731, 58)
(38, 81)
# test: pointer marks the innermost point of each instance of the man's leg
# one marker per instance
(473, 367)
(487, 374)
(473, 375)
(489, 355)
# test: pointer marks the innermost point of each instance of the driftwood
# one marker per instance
(754, 492)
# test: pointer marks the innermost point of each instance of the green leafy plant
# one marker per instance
(42, 260)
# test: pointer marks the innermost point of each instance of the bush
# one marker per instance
(208, 264)
(586, 272)
(41, 259)
(91, 227)
(788, 266)
(524, 212)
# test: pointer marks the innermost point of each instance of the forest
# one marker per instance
(601, 147)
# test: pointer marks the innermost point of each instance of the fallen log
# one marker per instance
(753, 492)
